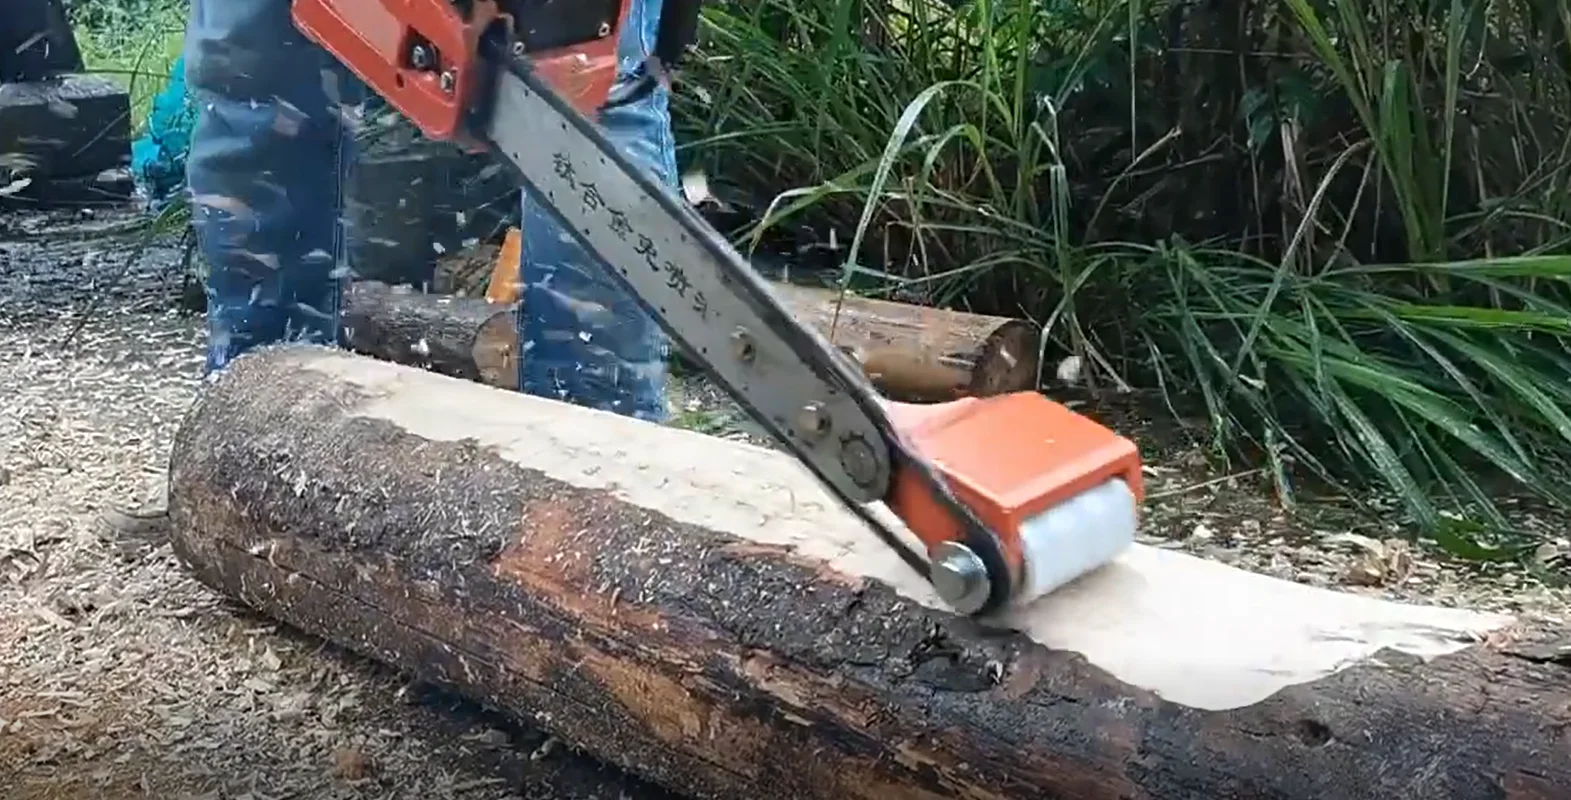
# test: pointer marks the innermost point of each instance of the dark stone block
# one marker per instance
(77, 125)
(108, 188)
(386, 209)
(36, 41)
(412, 201)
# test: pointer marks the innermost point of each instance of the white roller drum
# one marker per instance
(1075, 537)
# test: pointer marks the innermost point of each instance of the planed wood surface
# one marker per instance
(698, 612)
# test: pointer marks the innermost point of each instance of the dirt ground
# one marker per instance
(121, 677)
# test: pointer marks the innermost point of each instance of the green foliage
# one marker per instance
(1358, 210)
(134, 41)
(1330, 235)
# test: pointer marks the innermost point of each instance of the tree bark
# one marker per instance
(911, 353)
(917, 353)
(461, 337)
(699, 612)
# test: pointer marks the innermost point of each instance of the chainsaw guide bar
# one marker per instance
(711, 301)
(1011, 495)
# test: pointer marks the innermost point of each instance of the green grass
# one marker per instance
(135, 42)
(1332, 237)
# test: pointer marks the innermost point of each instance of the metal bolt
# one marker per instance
(742, 345)
(519, 49)
(813, 420)
(449, 80)
(859, 461)
(960, 577)
(605, 29)
(420, 57)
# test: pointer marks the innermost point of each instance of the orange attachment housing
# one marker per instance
(1009, 458)
(374, 38)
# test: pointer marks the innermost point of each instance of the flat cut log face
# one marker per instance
(724, 630)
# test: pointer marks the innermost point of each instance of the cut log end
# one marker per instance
(495, 351)
(700, 613)
(1007, 361)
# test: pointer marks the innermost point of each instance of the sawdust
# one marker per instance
(120, 676)
(1236, 520)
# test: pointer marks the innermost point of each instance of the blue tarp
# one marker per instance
(158, 155)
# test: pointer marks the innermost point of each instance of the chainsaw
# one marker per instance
(1010, 496)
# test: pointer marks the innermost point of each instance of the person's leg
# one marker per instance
(584, 339)
(269, 157)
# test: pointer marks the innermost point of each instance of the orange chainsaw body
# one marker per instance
(377, 38)
(1007, 458)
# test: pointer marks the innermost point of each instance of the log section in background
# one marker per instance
(918, 353)
(909, 352)
(462, 337)
(700, 612)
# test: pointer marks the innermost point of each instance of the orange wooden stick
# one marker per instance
(503, 287)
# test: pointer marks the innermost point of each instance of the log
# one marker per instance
(461, 337)
(910, 353)
(112, 187)
(918, 353)
(701, 613)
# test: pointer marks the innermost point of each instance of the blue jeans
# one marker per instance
(270, 155)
